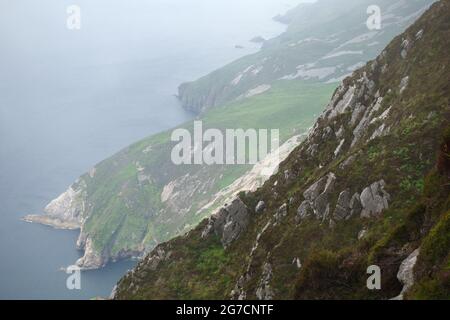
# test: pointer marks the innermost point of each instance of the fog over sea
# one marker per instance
(69, 99)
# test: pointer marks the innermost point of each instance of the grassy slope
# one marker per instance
(334, 261)
(124, 211)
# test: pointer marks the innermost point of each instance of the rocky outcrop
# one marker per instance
(317, 199)
(374, 199)
(91, 258)
(280, 214)
(343, 209)
(264, 291)
(372, 202)
(260, 207)
(65, 212)
(229, 222)
(406, 273)
(159, 255)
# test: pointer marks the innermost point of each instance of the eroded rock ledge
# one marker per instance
(229, 222)
(65, 212)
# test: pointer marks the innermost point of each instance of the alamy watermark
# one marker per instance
(374, 20)
(73, 21)
(231, 146)
(374, 280)
(73, 282)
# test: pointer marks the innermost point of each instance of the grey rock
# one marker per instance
(305, 210)
(362, 234)
(322, 206)
(355, 205)
(238, 292)
(316, 189)
(380, 131)
(260, 207)
(347, 162)
(154, 259)
(329, 186)
(406, 45)
(317, 198)
(342, 210)
(339, 147)
(406, 273)
(404, 84)
(297, 262)
(419, 34)
(287, 175)
(356, 114)
(281, 213)
(327, 133)
(264, 291)
(340, 133)
(312, 149)
(229, 222)
(374, 200)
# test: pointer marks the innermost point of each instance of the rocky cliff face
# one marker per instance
(363, 189)
(65, 212)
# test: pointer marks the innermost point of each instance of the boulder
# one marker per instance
(342, 210)
(315, 190)
(229, 222)
(374, 200)
(305, 210)
(406, 273)
(260, 207)
(317, 200)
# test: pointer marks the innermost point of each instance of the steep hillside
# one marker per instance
(369, 186)
(325, 42)
(138, 198)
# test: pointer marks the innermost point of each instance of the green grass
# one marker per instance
(124, 213)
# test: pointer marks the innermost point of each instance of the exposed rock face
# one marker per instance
(65, 212)
(317, 198)
(355, 205)
(342, 210)
(264, 291)
(238, 292)
(374, 199)
(229, 222)
(91, 258)
(406, 273)
(156, 258)
(281, 213)
(260, 207)
(404, 84)
(305, 210)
